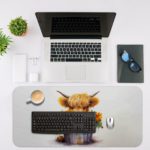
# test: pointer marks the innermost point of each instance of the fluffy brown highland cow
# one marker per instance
(81, 102)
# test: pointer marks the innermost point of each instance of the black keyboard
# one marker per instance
(76, 24)
(75, 52)
(63, 122)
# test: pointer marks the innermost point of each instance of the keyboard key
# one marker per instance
(99, 59)
(92, 59)
(54, 56)
(73, 59)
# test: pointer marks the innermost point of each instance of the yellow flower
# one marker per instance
(98, 116)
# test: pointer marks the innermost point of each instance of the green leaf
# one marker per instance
(4, 42)
(18, 26)
(99, 124)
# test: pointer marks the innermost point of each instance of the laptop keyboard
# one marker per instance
(76, 24)
(63, 122)
(75, 52)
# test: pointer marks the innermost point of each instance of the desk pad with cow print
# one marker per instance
(122, 103)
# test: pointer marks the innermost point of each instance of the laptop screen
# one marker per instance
(75, 24)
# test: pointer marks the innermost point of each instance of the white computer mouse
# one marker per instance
(110, 122)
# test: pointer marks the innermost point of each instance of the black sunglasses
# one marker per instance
(133, 65)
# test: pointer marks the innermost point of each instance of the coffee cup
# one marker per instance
(37, 97)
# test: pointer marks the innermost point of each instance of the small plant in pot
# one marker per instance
(18, 26)
(4, 42)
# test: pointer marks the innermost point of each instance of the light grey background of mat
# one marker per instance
(125, 75)
(122, 103)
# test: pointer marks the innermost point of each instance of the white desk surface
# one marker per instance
(132, 26)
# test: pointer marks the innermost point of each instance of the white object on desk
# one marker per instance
(19, 67)
(34, 60)
(33, 77)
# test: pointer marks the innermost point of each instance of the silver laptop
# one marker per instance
(75, 46)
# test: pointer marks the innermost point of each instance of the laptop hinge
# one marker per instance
(75, 37)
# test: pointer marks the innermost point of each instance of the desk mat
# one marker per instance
(124, 104)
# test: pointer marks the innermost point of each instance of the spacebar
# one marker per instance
(73, 59)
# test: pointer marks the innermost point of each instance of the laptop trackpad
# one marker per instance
(75, 72)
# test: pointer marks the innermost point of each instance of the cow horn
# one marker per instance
(94, 94)
(63, 94)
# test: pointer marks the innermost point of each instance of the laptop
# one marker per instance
(75, 46)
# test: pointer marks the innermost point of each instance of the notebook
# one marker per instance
(124, 74)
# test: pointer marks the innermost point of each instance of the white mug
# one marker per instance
(37, 97)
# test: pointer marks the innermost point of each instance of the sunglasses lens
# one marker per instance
(135, 67)
(125, 56)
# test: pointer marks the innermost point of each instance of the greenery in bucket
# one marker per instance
(18, 26)
(4, 42)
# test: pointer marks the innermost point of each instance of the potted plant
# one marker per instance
(18, 26)
(4, 42)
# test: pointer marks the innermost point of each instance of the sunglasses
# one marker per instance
(132, 64)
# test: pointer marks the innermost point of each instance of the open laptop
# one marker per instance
(75, 46)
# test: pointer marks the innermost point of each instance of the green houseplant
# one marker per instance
(18, 26)
(4, 42)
